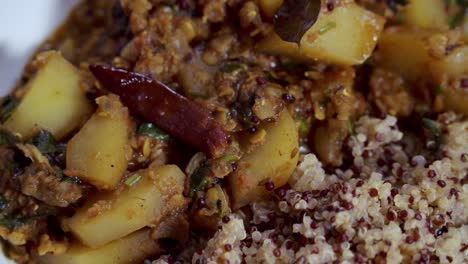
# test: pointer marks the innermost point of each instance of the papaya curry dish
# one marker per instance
(232, 131)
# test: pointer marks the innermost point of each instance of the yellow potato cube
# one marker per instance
(110, 216)
(54, 100)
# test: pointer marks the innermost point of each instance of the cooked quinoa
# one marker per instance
(232, 131)
(410, 210)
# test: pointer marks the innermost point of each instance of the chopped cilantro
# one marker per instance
(198, 179)
(132, 180)
(228, 158)
(46, 143)
(327, 27)
(150, 130)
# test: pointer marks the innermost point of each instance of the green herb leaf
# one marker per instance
(150, 130)
(132, 180)
(294, 18)
(46, 143)
(198, 179)
(9, 104)
(327, 27)
(431, 126)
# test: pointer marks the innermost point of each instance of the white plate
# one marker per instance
(24, 24)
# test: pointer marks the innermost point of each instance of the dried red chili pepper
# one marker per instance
(167, 109)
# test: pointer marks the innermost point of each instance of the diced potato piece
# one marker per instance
(269, 7)
(404, 51)
(53, 101)
(345, 36)
(134, 248)
(453, 65)
(448, 72)
(97, 153)
(110, 216)
(456, 98)
(273, 160)
(407, 52)
(426, 14)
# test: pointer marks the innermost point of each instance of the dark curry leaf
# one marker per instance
(8, 105)
(294, 18)
(46, 143)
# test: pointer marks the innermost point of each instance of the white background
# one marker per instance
(24, 24)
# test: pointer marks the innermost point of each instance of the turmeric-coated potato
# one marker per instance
(274, 160)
